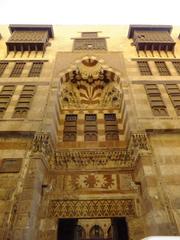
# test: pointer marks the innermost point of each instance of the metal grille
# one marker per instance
(155, 99)
(3, 66)
(70, 128)
(162, 68)
(174, 94)
(90, 129)
(35, 69)
(17, 70)
(177, 66)
(111, 127)
(144, 68)
(24, 101)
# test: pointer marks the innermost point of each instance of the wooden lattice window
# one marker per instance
(155, 99)
(174, 94)
(90, 128)
(29, 38)
(70, 128)
(144, 68)
(162, 68)
(17, 70)
(24, 101)
(177, 66)
(35, 69)
(111, 127)
(5, 97)
(3, 66)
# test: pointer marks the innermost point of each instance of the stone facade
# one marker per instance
(88, 133)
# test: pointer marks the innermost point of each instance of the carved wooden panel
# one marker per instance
(91, 208)
(89, 34)
(90, 44)
(10, 165)
(144, 68)
(155, 99)
(28, 36)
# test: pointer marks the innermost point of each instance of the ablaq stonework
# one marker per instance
(89, 132)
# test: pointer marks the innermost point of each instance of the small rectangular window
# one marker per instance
(111, 127)
(24, 101)
(3, 66)
(155, 100)
(177, 66)
(144, 68)
(162, 68)
(174, 94)
(17, 70)
(90, 128)
(35, 69)
(70, 128)
(5, 98)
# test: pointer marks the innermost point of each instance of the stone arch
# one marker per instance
(96, 232)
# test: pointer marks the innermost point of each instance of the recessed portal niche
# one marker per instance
(93, 229)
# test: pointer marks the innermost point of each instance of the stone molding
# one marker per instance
(102, 157)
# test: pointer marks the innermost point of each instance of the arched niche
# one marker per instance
(89, 83)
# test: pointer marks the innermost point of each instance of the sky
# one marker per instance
(90, 12)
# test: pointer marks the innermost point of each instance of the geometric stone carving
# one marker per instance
(114, 157)
(140, 140)
(42, 143)
(91, 208)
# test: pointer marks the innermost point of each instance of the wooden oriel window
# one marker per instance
(24, 101)
(155, 99)
(162, 68)
(90, 41)
(3, 66)
(174, 94)
(90, 128)
(29, 38)
(5, 97)
(144, 68)
(177, 66)
(111, 127)
(17, 70)
(151, 38)
(36, 68)
(70, 128)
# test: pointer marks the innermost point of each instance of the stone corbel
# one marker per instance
(42, 145)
